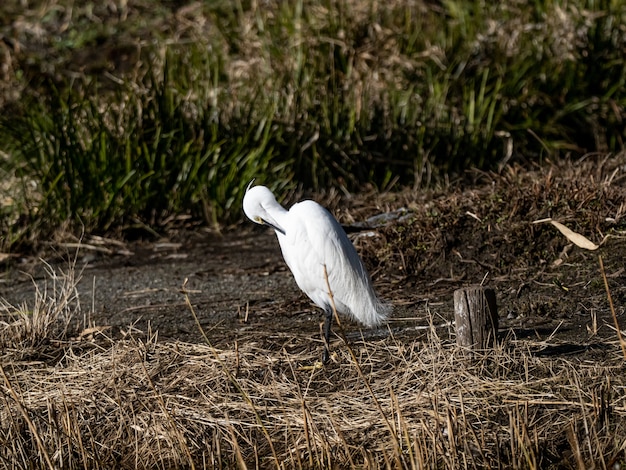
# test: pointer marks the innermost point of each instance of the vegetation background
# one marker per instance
(123, 116)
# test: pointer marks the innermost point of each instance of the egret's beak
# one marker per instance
(274, 226)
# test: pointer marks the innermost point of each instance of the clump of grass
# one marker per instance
(146, 157)
(52, 316)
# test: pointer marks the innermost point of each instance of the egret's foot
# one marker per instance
(325, 356)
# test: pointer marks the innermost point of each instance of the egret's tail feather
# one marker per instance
(366, 308)
(374, 312)
(356, 297)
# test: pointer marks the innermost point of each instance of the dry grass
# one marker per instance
(87, 401)
(24, 330)
(486, 226)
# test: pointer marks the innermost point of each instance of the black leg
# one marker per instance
(327, 324)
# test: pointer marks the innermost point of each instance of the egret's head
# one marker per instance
(260, 206)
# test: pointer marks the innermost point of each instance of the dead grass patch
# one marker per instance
(142, 403)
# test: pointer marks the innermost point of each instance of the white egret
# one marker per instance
(311, 239)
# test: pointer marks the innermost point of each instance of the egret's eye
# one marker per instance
(259, 220)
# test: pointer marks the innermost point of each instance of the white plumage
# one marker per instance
(311, 238)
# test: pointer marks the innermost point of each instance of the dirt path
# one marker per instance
(242, 291)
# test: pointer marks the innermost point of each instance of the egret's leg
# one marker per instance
(327, 324)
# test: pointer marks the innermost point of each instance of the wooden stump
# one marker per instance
(476, 317)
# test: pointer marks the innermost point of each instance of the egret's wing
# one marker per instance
(349, 281)
(321, 241)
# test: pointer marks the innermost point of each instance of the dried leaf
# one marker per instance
(576, 238)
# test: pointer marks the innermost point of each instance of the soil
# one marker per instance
(238, 285)
(426, 245)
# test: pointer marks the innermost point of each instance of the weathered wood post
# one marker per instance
(476, 317)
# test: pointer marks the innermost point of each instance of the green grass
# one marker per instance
(131, 116)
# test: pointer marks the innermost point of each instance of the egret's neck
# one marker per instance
(277, 214)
